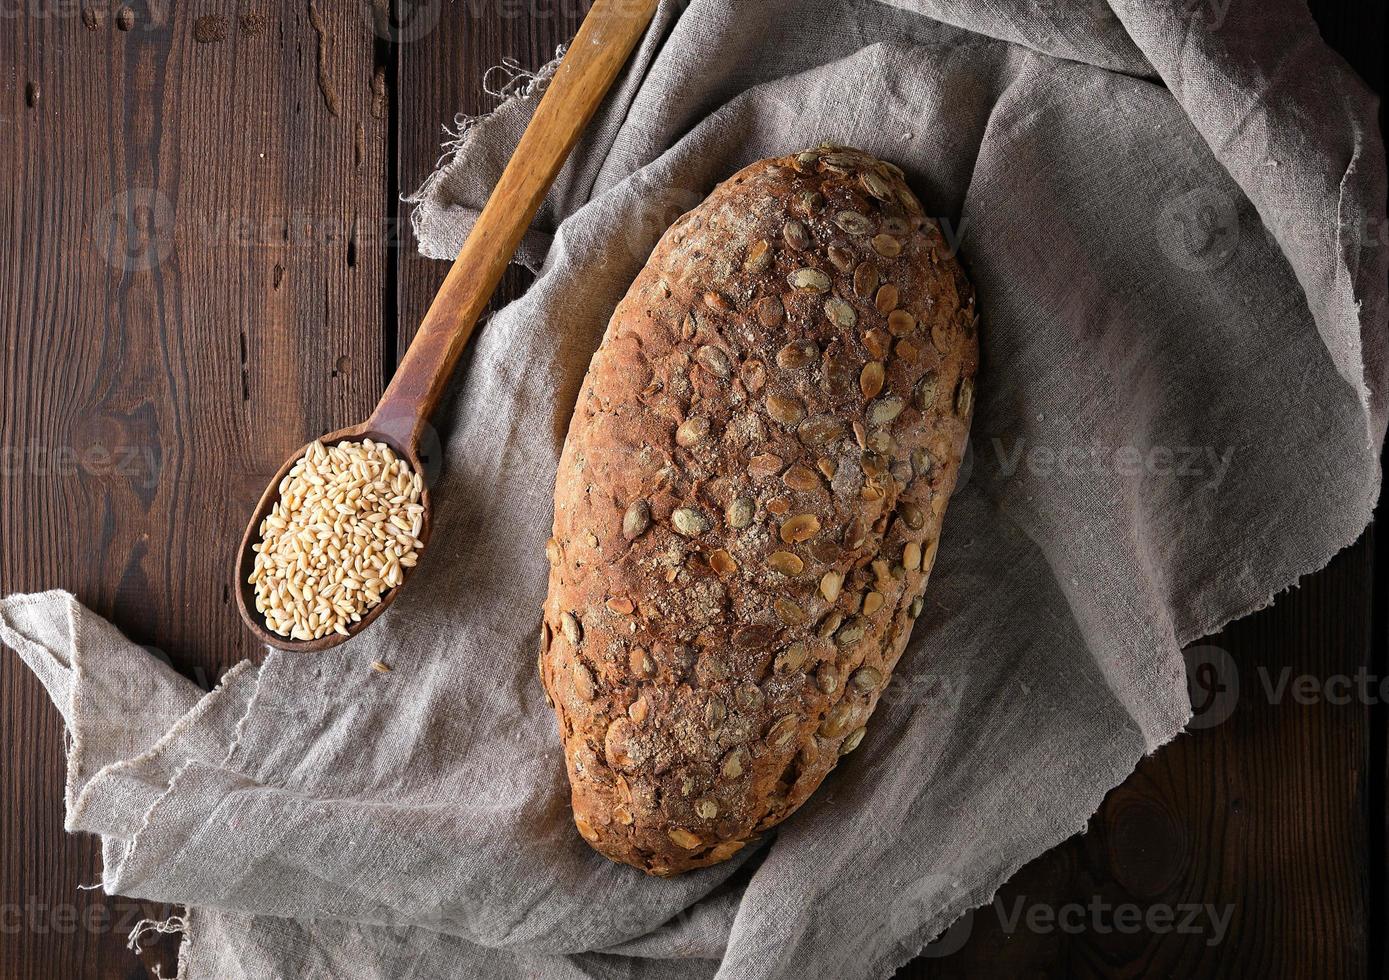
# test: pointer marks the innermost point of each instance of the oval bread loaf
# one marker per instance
(749, 501)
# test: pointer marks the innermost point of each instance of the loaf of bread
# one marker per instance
(749, 501)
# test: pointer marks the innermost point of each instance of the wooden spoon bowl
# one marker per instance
(246, 558)
(609, 33)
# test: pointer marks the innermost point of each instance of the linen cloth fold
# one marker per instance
(1173, 217)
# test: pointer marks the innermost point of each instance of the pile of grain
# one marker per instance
(346, 526)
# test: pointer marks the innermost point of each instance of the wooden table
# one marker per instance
(154, 375)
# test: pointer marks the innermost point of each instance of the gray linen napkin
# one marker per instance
(1169, 210)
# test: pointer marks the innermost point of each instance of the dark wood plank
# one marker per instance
(1377, 764)
(1275, 817)
(1360, 33)
(443, 73)
(185, 301)
(1258, 817)
(142, 355)
(1172, 834)
(1279, 860)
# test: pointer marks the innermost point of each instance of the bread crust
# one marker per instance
(749, 501)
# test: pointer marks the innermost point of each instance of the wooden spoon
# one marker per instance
(605, 40)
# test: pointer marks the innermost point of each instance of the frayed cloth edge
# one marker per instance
(910, 947)
(167, 927)
(520, 85)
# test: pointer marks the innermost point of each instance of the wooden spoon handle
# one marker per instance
(609, 33)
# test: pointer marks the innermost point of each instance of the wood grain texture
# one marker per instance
(590, 65)
(1259, 819)
(1275, 817)
(443, 71)
(403, 415)
(1276, 811)
(193, 286)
